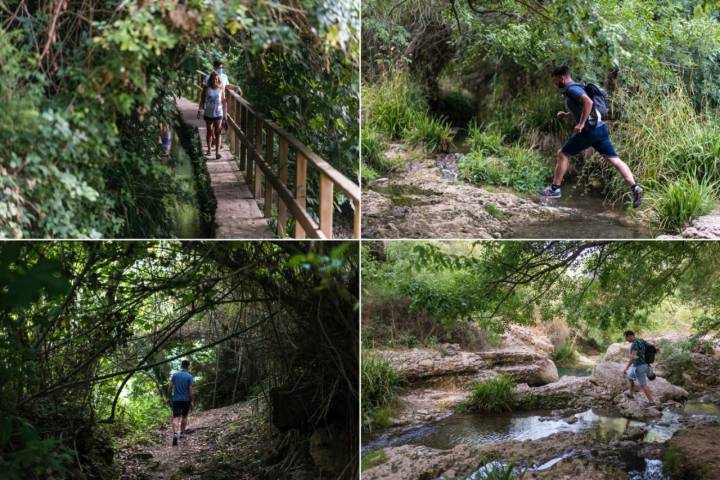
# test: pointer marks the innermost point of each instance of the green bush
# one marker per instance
(373, 459)
(564, 354)
(520, 168)
(681, 201)
(491, 396)
(486, 141)
(674, 357)
(434, 134)
(500, 471)
(374, 161)
(391, 105)
(379, 389)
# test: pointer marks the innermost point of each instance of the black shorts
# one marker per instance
(212, 119)
(181, 408)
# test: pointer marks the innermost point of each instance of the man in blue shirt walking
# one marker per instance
(589, 131)
(182, 397)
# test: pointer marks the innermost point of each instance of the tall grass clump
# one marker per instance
(678, 202)
(487, 141)
(391, 105)
(434, 134)
(564, 354)
(374, 161)
(379, 389)
(517, 167)
(491, 396)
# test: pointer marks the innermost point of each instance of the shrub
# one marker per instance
(379, 384)
(434, 134)
(391, 105)
(517, 167)
(491, 396)
(682, 200)
(674, 357)
(488, 142)
(564, 354)
(374, 161)
(373, 459)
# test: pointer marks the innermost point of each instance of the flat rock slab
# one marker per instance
(237, 214)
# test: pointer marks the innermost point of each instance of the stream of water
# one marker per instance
(183, 206)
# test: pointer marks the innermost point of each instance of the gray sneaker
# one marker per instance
(548, 192)
(637, 196)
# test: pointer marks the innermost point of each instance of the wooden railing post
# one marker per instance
(236, 118)
(356, 219)
(267, 208)
(300, 188)
(257, 191)
(250, 170)
(243, 131)
(231, 131)
(326, 204)
(283, 174)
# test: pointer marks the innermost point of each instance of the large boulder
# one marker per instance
(610, 376)
(617, 352)
(424, 363)
(568, 392)
(518, 337)
(522, 366)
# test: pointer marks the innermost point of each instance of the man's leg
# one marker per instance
(624, 170)
(632, 389)
(175, 424)
(561, 167)
(183, 425)
(648, 393)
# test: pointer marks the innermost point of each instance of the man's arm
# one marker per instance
(587, 108)
(633, 356)
(170, 389)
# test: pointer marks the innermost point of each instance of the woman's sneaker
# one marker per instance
(637, 196)
(550, 192)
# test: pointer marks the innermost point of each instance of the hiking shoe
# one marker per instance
(628, 395)
(183, 436)
(637, 196)
(174, 441)
(548, 192)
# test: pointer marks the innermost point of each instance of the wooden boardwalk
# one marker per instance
(237, 214)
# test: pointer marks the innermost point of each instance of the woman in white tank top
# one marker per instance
(211, 107)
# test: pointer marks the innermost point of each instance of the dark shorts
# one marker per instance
(180, 408)
(212, 119)
(597, 138)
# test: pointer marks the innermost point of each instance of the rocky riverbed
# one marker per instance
(424, 199)
(561, 426)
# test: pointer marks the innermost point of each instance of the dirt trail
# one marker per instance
(212, 434)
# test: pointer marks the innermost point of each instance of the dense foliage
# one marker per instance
(599, 288)
(86, 85)
(90, 332)
(491, 62)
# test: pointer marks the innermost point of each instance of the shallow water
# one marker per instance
(590, 217)
(574, 371)
(183, 207)
(470, 429)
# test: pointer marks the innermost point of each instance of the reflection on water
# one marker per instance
(574, 372)
(702, 409)
(653, 470)
(183, 206)
(468, 429)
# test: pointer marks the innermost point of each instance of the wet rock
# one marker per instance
(696, 453)
(574, 392)
(706, 227)
(636, 408)
(634, 434)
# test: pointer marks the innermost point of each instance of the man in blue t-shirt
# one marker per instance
(638, 372)
(181, 390)
(589, 131)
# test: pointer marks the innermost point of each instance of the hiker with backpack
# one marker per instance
(642, 354)
(588, 104)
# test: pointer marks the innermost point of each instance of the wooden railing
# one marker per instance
(252, 139)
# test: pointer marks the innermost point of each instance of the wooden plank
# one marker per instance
(250, 170)
(326, 204)
(269, 158)
(300, 189)
(231, 133)
(283, 175)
